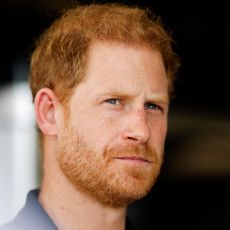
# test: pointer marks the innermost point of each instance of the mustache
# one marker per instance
(144, 152)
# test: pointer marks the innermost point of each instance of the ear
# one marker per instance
(46, 105)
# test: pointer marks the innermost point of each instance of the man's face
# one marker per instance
(112, 141)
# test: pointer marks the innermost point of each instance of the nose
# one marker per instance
(137, 128)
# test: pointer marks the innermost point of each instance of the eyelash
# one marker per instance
(156, 107)
(111, 100)
(117, 101)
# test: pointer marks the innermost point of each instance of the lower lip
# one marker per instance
(137, 162)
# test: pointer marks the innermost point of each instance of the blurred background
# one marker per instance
(193, 189)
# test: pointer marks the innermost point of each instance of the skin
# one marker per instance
(114, 132)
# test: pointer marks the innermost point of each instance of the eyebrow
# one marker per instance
(154, 97)
(162, 98)
(115, 92)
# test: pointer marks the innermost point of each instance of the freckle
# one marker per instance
(110, 121)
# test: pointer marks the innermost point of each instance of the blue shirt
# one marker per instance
(34, 217)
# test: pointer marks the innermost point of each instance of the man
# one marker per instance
(101, 78)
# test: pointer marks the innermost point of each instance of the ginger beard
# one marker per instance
(100, 175)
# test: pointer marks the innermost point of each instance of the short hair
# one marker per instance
(60, 56)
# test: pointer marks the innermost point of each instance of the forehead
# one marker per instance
(115, 52)
(117, 66)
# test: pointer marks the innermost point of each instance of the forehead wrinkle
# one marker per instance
(116, 92)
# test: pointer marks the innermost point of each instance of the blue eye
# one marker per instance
(113, 101)
(152, 106)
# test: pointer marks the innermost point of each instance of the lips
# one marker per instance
(131, 154)
(133, 158)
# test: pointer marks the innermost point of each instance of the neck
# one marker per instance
(70, 208)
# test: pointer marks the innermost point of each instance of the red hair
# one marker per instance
(60, 56)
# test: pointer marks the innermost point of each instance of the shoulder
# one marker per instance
(32, 216)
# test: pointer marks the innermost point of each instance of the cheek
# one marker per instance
(158, 134)
(99, 130)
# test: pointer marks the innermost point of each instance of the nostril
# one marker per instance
(132, 138)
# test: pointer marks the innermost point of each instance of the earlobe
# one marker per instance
(45, 110)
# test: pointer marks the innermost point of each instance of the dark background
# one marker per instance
(193, 189)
